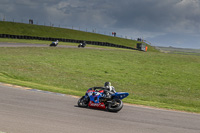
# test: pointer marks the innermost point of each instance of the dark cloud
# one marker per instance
(151, 19)
(157, 15)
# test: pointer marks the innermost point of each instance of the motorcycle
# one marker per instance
(54, 44)
(96, 98)
(82, 45)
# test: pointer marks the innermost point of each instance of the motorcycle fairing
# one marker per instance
(94, 99)
(120, 95)
(97, 105)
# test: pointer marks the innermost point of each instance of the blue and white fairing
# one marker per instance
(120, 95)
(95, 97)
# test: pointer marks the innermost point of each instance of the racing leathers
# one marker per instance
(108, 91)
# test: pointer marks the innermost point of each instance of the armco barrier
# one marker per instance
(64, 40)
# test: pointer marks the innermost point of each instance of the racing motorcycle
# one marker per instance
(96, 98)
(82, 45)
(54, 44)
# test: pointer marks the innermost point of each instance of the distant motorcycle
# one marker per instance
(82, 45)
(95, 98)
(54, 44)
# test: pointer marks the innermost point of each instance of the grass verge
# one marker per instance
(152, 79)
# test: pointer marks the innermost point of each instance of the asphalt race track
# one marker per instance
(24, 110)
(30, 111)
(5, 44)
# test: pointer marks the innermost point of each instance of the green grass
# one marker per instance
(46, 31)
(154, 79)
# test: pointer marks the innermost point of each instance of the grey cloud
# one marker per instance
(176, 40)
(148, 17)
(157, 15)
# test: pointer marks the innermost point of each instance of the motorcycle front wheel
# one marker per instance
(82, 102)
(52, 45)
(115, 106)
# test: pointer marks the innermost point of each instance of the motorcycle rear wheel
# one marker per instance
(115, 106)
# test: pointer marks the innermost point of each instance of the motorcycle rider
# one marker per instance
(108, 89)
(83, 44)
(54, 43)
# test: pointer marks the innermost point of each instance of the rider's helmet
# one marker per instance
(107, 84)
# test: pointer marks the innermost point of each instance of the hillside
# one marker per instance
(151, 78)
(55, 32)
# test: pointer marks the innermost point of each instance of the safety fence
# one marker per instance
(64, 40)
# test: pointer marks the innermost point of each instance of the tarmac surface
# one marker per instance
(25, 110)
(5, 44)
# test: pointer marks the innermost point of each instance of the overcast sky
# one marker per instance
(162, 22)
